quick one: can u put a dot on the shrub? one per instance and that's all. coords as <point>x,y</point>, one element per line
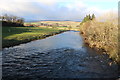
<point>102,33</point>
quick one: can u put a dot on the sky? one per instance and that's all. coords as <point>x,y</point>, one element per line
<point>57,9</point>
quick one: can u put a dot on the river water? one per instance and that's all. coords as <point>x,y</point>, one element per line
<point>60,56</point>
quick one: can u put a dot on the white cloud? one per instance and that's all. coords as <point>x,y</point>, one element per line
<point>50,9</point>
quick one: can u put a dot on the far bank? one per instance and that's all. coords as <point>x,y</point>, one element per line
<point>12,36</point>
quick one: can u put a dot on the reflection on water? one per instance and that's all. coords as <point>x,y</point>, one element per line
<point>70,39</point>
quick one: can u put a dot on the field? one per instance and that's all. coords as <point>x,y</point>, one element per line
<point>72,24</point>
<point>16,35</point>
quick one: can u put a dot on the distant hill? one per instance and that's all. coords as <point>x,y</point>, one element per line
<point>72,24</point>
<point>51,20</point>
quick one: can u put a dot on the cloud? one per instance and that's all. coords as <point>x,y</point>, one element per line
<point>53,9</point>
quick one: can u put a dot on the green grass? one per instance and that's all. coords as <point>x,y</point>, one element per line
<point>16,35</point>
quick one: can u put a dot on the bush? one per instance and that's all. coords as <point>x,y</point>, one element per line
<point>103,35</point>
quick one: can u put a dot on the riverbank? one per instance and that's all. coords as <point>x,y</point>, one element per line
<point>12,36</point>
<point>102,36</point>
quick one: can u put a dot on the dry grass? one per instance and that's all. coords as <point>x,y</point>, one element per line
<point>102,33</point>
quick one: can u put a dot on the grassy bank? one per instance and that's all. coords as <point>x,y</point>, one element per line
<point>12,36</point>
<point>102,36</point>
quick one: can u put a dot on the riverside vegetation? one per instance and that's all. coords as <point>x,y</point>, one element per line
<point>102,33</point>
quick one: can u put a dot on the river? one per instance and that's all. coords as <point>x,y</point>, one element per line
<point>60,56</point>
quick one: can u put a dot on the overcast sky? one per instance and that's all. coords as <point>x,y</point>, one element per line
<point>57,9</point>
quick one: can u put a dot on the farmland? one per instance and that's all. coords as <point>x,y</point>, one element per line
<point>56,24</point>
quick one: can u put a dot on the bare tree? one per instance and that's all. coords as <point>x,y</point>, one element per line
<point>10,18</point>
<point>20,20</point>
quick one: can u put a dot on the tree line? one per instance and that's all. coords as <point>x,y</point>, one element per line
<point>11,18</point>
<point>88,18</point>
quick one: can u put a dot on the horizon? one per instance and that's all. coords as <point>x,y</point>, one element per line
<point>52,20</point>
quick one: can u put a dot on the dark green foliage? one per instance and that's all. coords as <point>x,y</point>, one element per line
<point>9,24</point>
<point>88,18</point>
<point>93,16</point>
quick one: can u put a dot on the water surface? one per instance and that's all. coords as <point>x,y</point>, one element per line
<point>59,56</point>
